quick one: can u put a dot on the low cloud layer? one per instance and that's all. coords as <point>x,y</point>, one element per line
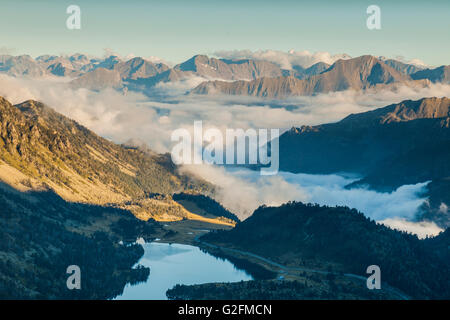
<point>135,116</point>
<point>422,228</point>
<point>243,190</point>
<point>415,61</point>
<point>122,117</point>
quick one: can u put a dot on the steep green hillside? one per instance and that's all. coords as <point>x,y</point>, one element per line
<point>43,150</point>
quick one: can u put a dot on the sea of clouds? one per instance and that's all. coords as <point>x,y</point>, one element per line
<point>243,190</point>
<point>136,116</point>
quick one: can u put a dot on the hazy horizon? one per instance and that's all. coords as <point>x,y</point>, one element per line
<point>176,30</point>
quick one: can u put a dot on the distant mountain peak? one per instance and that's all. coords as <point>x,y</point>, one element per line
<point>139,74</point>
<point>425,108</point>
<point>407,110</point>
<point>192,63</point>
<point>357,73</point>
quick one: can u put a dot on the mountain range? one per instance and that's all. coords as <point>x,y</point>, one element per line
<point>140,68</point>
<point>359,73</point>
<point>227,76</point>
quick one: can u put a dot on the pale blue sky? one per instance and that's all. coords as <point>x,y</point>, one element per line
<point>176,30</point>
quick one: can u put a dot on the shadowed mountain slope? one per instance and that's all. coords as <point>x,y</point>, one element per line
<point>41,235</point>
<point>404,143</point>
<point>439,74</point>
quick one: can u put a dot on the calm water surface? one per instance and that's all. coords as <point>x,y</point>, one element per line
<point>172,264</point>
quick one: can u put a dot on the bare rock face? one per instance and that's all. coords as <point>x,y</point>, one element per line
<point>137,68</point>
<point>98,79</point>
<point>21,65</point>
<point>440,74</point>
<point>427,108</point>
<point>404,68</point>
<point>209,68</point>
<point>229,69</point>
<point>408,110</point>
<point>317,68</point>
<point>60,69</point>
<point>359,73</point>
<point>228,76</point>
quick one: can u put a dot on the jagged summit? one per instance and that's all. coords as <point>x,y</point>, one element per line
<point>425,108</point>
<point>358,73</point>
<point>251,77</point>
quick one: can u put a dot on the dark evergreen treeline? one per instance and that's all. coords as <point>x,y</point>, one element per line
<point>206,203</point>
<point>41,235</point>
<point>296,232</point>
<point>275,290</point>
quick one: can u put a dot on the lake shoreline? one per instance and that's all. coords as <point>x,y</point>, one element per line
<point>172,264</point>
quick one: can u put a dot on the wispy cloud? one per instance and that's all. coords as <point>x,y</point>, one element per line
<point>415,61</point>
<point>285,60</point>
<point>243,190</point>
<point>422,228</point>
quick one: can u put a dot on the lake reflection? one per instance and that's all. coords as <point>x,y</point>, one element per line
<point>172,264</point>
